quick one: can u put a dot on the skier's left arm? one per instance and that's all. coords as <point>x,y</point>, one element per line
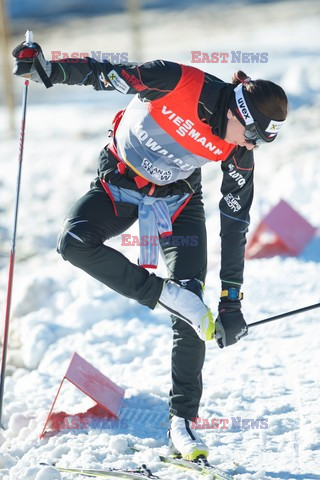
<point>237,195</point>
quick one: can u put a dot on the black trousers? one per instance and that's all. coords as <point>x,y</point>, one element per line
<point>91,222</point>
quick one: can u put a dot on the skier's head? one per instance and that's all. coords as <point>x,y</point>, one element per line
<point>256,112</point>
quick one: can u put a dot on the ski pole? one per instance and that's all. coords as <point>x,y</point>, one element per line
<point>13,241</point>
<point>287,314</point>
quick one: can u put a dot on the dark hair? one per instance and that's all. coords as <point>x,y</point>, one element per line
<point>269,98</point>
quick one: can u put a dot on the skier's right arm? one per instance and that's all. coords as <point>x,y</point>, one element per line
<point>151,80</point>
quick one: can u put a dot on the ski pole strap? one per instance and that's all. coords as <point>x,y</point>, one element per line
<point>42,74</point>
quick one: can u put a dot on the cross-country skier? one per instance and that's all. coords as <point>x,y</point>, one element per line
<point>179,119</point>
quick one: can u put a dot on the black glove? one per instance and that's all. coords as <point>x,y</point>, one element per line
<point>30,63</point>
<point>230,324</point>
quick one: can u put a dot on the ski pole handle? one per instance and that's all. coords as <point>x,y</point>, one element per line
<point>37,63</point>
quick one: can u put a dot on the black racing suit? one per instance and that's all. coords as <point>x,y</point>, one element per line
<point>92,220</point>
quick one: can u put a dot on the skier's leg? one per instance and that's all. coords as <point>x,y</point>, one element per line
<point>90,222</point>
<point>186,258</point>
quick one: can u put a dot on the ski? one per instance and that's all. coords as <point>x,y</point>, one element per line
<point>139,473</point>
<point>202,466</point>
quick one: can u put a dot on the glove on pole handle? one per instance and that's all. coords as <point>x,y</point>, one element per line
<point>282,315</point>
<point>42,74</point>
<point>13,243</point>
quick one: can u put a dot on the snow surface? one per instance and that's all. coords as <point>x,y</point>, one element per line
<point>273,374</point>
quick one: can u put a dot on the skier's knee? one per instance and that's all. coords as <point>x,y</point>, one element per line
<point>73,239</point>
<point>67,245</point>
